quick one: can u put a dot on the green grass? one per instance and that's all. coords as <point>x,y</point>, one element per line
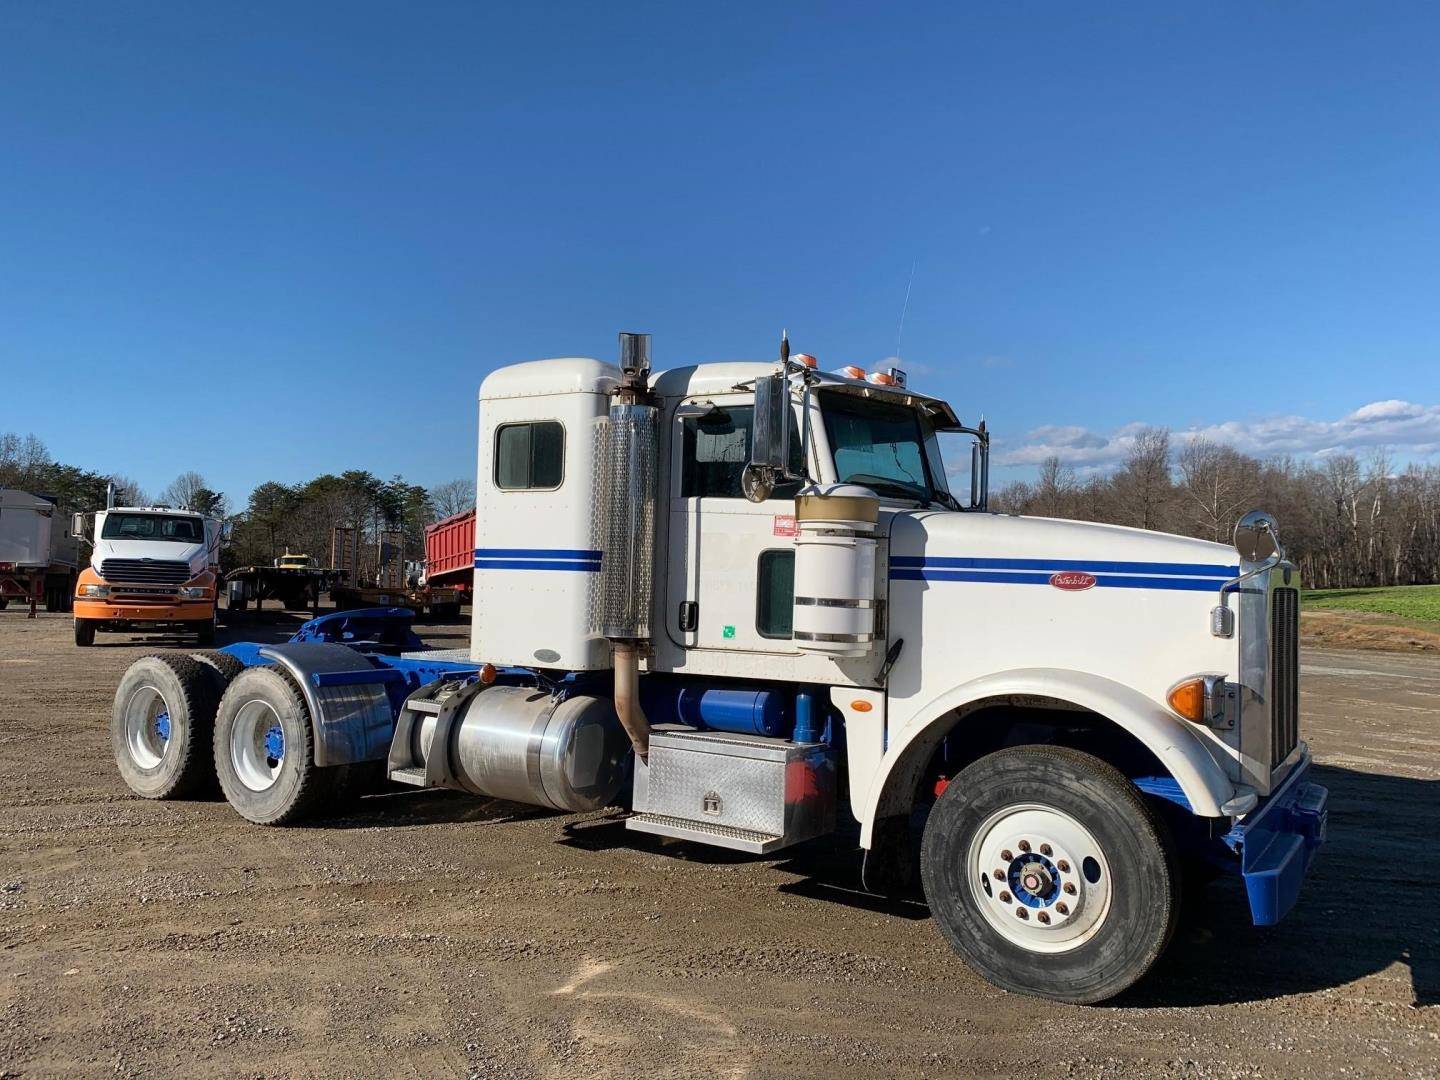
<point>1407,601</point>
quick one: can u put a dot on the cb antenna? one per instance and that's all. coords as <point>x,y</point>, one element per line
<point>784,346</point>
<point>900,333</point>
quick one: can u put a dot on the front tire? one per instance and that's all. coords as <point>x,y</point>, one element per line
<point>84,632</point>
<point>1048,873</point>
<point>265,750</point>
<point>205,632</point>
<point>160,727</point>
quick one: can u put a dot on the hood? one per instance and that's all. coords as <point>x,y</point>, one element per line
<point>161,550</point>
<point>997,543</point>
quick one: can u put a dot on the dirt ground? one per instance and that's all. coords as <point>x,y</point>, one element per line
<point>1337,629</point>
<point>440,935</point>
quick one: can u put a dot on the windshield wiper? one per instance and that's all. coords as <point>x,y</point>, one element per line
<point>945,499</point>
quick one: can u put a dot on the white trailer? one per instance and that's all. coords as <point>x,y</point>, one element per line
<point>741,601</point>
<point>38,555</point>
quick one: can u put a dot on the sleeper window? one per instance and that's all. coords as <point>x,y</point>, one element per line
<point>530,455</point>
<point>716,448</point>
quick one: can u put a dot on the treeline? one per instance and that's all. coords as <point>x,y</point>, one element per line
<point>1345,521</point>
<point>280,518</point>
<point>302,518</point>
<point>27,464</point>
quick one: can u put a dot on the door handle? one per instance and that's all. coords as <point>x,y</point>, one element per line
<point>689,617</point>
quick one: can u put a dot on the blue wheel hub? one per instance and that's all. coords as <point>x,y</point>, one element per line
<point>1033,880</point>
<point>162,725</point>
<point>274,745</point>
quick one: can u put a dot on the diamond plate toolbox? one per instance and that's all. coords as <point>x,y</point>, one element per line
<point>771,787</point>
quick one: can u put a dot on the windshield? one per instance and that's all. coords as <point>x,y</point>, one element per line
<point>879,444</point>
<point>181,530</point>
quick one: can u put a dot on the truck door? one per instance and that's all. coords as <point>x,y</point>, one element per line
<point>730,583</point>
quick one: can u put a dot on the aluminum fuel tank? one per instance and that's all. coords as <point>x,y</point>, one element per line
<point>521,744</point>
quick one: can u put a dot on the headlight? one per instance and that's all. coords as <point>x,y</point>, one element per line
<point>96,591</point>
<point>194,592</point>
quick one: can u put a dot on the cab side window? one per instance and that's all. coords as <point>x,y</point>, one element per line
<point>715,449</point>
<point>530,455</point>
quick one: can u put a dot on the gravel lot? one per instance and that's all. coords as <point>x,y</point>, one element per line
<point>435,934</point>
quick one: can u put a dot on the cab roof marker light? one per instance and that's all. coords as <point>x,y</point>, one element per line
<point>880,378</point>
<point>805,360</point>
<point>850,371</point>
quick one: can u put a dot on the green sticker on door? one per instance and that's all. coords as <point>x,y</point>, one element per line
<point>728,632</point>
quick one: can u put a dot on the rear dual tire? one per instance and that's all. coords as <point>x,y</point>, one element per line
<point>1049,874</point>
<point>265,751</point>
<point>160,726</point>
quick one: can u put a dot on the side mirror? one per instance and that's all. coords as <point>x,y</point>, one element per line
<point>1256,538</point>
<point>227,530</point>
<point>77,526</point>
<point>770,441</point>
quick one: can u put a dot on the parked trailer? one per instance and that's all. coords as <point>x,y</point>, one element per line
<point>294,580</point>
<point>388,582</point>
<point>740,601</point>
<point>450,553</point>
<point>39,558</point>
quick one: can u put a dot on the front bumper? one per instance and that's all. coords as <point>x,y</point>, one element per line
<point>1277,840</point>
<point>120,611</point>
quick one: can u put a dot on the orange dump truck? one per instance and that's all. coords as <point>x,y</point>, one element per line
<point>153,569</point>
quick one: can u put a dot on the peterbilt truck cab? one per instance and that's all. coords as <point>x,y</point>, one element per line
<point>742,602</point>
<point>152,569</point>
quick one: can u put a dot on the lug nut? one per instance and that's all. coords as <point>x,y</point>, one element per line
<point>1004,897</point>
<point>1024,845</point>
<point>1044,918</point>
<point>1006,855</point>
<point>1022,913</point>
<point>998,875</point>
<point>1063,908</point>
<point>1045,850</point>
<point>1070,887</point>
<point>1062,866</point>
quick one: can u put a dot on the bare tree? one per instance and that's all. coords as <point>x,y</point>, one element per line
<point>453,497</point>
<point>1143,482</point>
<point>1216,482</point>
<point>128,491</point>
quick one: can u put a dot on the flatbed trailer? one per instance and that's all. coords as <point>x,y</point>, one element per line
<point>297,588</point>
<point>439,603</point>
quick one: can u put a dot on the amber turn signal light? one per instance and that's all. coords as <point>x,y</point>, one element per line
<point>1188,699</point>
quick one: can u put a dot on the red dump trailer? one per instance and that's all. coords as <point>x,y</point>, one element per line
<point>450,553</point>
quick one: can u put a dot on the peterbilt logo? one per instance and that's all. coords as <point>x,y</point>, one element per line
<point>1073,580</point>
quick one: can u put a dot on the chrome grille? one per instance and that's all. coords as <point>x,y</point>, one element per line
<point>1284,673</point>
<point>145,571</point>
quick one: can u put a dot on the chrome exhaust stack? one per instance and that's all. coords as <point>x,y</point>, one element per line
<point>630,436</point>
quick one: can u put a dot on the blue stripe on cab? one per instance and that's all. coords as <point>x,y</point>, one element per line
<point>580,560</point>
<point>1055,565</point>
<point>1102,581</point>
<point>536,553</point>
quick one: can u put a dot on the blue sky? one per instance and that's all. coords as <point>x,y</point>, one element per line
<point>268,240</point>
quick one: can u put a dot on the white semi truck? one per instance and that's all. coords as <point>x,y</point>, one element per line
<point>152,569</point>
<point>741,601</point>
<point>38,555</point>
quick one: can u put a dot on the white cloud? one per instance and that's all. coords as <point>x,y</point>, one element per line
<point>1404,426</point>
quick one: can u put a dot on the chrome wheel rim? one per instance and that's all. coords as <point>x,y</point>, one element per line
<point>257,745</point>
<point>147,727</point>
<point>1040,878</point>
